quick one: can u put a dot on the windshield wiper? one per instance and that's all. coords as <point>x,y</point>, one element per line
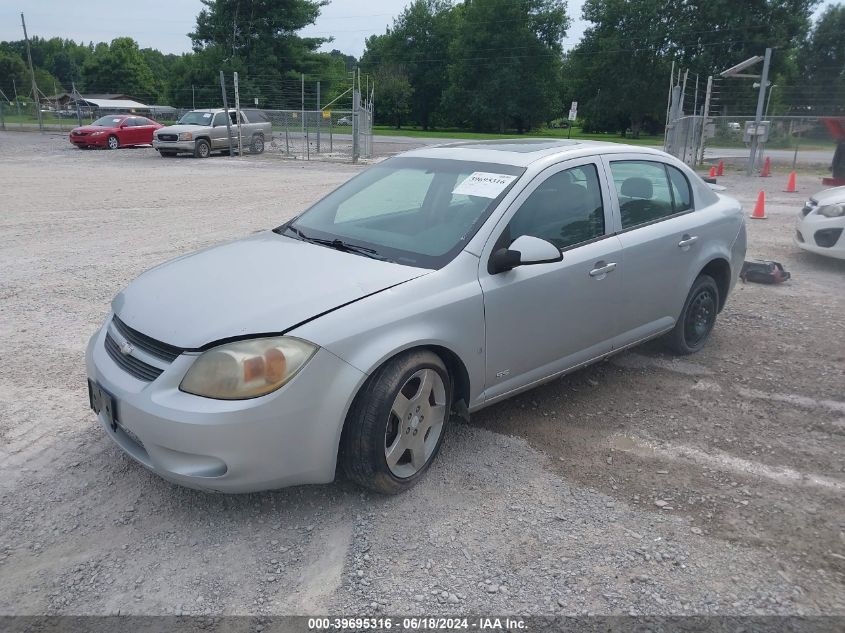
<point>339,245</point>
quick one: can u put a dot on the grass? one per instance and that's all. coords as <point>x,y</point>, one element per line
<point>577,134</point>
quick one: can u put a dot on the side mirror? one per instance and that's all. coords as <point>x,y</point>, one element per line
<point>526,250</point>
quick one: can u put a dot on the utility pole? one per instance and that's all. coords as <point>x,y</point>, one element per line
<point>193,98</point>
<point>761,99</point>
<point>32,73</point>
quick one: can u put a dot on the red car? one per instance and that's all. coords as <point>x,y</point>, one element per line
<point>115,130</point>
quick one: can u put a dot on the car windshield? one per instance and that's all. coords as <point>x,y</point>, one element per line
<point>414,211</point>
<point>108,121</point>
<point>196,118</point>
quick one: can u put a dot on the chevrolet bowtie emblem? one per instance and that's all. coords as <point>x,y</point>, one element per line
<point>127,348</point>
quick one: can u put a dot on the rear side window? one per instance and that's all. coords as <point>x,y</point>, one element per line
<point>649,191</point>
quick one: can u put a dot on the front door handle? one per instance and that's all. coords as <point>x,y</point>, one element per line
<point>602,269</point>
<point>687,240</point>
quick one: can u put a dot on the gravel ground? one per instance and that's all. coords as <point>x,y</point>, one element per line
<point>644,485</point>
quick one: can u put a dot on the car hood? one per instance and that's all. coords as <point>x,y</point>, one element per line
<point>835,195</point>
<point>177,129</point>
<point>263,284</point>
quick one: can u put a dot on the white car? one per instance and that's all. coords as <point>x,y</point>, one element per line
<point>822,224</point>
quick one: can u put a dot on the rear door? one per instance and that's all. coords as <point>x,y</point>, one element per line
<point>661,234</point>
<point>545,318</point>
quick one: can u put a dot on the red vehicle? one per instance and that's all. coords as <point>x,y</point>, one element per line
<point>115,130</point>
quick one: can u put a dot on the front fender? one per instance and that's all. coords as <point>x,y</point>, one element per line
<point>444,309</point>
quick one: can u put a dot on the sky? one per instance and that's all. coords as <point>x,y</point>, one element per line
<point>164,24</point>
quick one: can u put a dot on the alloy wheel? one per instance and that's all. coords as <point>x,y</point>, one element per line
<point>415,423</point>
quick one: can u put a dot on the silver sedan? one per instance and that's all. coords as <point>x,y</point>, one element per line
<point>429,286</point>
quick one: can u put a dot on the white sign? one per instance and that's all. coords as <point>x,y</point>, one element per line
<point>573,111</point>
<point>484,184</point>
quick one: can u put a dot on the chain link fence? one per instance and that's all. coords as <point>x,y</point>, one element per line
<point>344,134</point>
<point>788,141</point>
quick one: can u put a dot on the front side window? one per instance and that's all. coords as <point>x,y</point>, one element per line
<point>566,209</point>
<point>219,119</point>
<point>414,211</point>
<point>649,191</point>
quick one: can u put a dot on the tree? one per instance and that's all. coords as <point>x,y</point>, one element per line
<point>393,94</point>
<point>120,67</point>
<point>13,73</point>
<point>628,50</point>
<point>505,63</point>
<point>418,42</point>
<point>820,62</point>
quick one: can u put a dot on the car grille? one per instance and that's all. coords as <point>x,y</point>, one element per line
<point>145,343</point>
<point>168,137</point>
<point>131,365</point>
<point>80,133</point>
<point>150,346</point>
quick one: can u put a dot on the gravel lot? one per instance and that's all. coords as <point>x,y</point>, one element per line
<point>643,485</point>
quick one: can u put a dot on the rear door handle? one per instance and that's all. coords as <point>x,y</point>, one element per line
<point>687,241</point>
<point>602,269</point>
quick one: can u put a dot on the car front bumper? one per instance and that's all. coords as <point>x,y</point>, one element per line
<point>285,438</point>
<point>89,140</point>
<point>174,146</point>
<point>819,234</point>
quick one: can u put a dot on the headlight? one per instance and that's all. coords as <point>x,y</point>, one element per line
<point>247,369</point>
<point>832,210</point>
<point>186,136</point>
<point>97,133</point>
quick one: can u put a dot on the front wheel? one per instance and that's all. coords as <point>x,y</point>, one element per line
<point>697,319</point>
<point>397,423</point>
<point>202,149</point>
<point>113,142</point>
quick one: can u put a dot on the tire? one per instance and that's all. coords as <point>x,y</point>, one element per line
<point>257,145</point>
<point>374,451</point>
<point>697,319</point>
<point>113,142</point>
<point>202,149</point>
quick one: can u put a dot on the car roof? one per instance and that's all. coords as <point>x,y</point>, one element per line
<point>523,152</point>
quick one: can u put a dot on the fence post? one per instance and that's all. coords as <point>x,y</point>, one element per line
<point>331,140</point>
<point>704,114</point>
<point>307,136</point>
<point>226,109</point>
<point>319,117</point>
<point>2,118</point>
<point>356,105</point>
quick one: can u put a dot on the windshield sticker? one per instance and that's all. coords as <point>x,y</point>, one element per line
<point>206,115</point>
<point>484,185</point>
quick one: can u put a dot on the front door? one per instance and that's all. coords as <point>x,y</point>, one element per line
<point>545,318</point>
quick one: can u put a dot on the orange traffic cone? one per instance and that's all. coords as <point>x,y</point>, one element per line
<point>767,168</point>
<point>720,170</point>
<point>790,185</point>
<point>760,208</point>
<point>712,172</point>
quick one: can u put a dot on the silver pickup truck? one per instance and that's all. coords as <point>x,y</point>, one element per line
<point>201,132</point>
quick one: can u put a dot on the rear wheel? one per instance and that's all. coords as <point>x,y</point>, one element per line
<point>257,146</point>
<point>202,149</point>
<point>397,423</point>
<point>698,317</point>
<point>113,142</point>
